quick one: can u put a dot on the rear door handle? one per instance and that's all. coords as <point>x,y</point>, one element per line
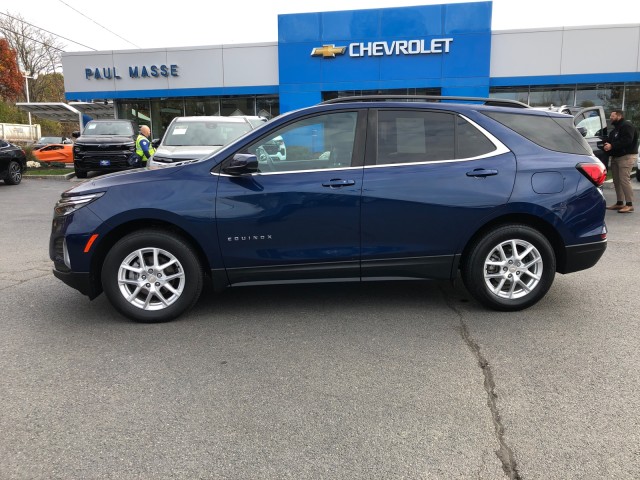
<point>338,183</point>
<point>481,172</point>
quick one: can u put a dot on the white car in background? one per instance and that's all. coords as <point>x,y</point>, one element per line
<point>188,138</point>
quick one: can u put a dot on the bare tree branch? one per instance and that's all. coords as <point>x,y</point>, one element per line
<point>38,52</point>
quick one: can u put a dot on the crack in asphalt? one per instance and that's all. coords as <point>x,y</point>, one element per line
<point>504,453</point>
<point>34,273</point>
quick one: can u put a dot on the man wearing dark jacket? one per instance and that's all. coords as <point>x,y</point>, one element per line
<point>622,145</point>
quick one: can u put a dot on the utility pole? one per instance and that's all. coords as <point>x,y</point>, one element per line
<point>26,83</point>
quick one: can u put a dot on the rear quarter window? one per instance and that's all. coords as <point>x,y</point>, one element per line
<point>553,133</point>
<point>470,142</point>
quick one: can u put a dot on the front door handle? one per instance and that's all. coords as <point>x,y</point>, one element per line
<point>338,183</point>
<point>481,172</point>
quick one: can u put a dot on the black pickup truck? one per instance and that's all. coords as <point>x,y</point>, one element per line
<point>104,145</point>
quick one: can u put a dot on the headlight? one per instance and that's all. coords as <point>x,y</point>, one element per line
<point>67,205</point>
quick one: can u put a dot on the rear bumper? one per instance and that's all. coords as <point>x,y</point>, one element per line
<point>581,257</point>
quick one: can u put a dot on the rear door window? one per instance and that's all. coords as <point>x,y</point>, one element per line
<point>406,136</point>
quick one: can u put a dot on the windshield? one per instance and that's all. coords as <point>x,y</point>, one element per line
<point>50,140</point>
<point>108,128</point>
<point>204,133</point>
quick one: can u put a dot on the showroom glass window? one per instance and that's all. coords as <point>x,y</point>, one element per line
<point>632,104</point>
<point>268,106</point>
<point>197,107</point>
<point>551,95</point>
<point>520,94</point>
<point>162,112</point>
<point>137,110</point>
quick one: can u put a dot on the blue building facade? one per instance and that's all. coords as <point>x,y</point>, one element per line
<point>446,49</point>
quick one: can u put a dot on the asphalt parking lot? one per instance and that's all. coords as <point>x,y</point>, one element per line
<point>345,381</point>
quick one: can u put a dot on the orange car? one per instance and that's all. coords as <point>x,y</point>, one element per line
<point>56,152</point>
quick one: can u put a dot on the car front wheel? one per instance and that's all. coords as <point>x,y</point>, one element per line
<point>509,268</point>
<point>152,276</point>
<point>15,174</point>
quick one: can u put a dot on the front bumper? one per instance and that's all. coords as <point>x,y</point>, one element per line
<point>81,281</point>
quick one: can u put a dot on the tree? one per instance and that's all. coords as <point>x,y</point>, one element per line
<point>38,53</point>
<point>11,84</point>
<point>52,85</point>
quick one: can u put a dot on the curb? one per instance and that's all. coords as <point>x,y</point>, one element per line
<point>67,176</point>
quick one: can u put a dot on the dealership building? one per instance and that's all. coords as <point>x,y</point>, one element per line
<point>446,49</point>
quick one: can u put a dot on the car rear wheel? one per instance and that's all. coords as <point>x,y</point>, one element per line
<point>81,173</point>
<point>509,268</point>
<point>152,276</point>
<point>15,174</point>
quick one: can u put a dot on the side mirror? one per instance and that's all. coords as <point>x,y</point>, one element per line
<point>155,142</point>
<point>242,163</point>
<point>75,134</point>
<point>583,131</point>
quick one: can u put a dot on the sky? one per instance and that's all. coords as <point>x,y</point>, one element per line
<point>123,25</point>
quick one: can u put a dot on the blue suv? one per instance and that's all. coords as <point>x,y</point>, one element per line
<point>372,188</point>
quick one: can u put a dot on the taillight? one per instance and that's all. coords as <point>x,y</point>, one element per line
<point>596,172</point>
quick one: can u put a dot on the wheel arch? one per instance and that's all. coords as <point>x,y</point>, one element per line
<point>544,227</point>
<point>124,229</point>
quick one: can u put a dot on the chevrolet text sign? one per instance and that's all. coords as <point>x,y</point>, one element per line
<point>400,47</point>
<point>378,49</point>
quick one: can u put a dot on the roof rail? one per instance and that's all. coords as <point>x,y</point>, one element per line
<point>494,102</point>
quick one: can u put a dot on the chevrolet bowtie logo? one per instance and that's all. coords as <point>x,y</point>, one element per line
<point>328,51</point>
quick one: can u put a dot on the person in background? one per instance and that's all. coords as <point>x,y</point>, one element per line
<point>144,150</point>
<point>622,145</point>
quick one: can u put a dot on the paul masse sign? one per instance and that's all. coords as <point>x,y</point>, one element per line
<point>136,71</point>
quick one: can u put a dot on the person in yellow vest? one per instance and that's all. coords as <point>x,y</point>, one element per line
<point>144,149</point>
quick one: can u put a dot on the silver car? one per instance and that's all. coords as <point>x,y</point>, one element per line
<point>188,138</point>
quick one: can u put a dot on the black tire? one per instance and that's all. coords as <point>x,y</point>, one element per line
<point>146,288</point>
<point>81,173</point>
<point>14,173</point>
<point>506,285</point>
